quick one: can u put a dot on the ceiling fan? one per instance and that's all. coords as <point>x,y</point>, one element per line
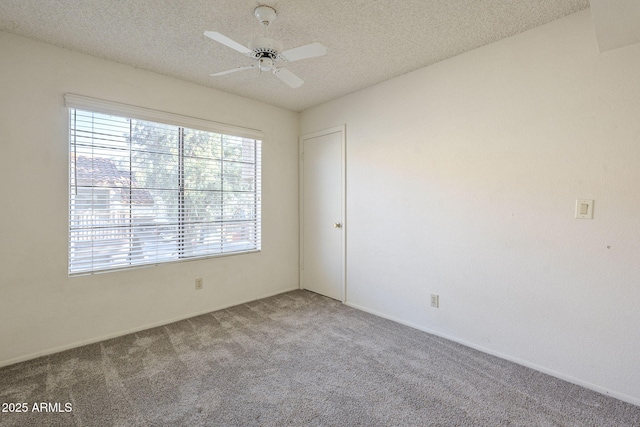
<point>267,52</point>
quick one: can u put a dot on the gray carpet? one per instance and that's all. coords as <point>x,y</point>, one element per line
<point>296,359</point>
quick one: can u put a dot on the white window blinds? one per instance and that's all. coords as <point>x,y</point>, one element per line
<point>145,192</point>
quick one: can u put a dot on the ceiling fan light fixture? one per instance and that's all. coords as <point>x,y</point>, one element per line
<point>266,64</point>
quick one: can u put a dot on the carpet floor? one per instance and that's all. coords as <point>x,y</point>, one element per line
<point>295,359</point>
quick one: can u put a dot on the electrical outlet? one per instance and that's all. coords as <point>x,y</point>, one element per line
<point>435,300</point>
<point>199,283</point>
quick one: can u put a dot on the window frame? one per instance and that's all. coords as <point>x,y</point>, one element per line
<point>78,102</point>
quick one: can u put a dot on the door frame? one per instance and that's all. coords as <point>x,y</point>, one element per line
<point>302,138</point>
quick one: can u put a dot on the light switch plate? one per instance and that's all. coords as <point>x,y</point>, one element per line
<point>435,300</point>
<point>584,208</point>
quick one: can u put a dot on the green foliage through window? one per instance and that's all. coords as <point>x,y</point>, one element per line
<point>143,192</point>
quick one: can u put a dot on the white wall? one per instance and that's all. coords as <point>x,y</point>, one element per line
<point>461,181</point>
<point>41,308</point>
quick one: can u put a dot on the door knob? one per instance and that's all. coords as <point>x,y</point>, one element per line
<point>337,225</point>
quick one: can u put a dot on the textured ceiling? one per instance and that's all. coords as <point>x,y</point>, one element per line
<point>368,41</point>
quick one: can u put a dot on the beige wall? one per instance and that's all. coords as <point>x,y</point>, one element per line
<point>41,308</point>
<point>462,180</point>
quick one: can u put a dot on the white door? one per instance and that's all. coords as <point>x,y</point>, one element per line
<point>322,206</point>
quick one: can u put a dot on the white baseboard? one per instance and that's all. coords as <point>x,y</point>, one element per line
<point>130,331</point>
<point>568,378</point>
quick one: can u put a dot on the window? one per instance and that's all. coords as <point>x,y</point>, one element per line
<point>149,191</point>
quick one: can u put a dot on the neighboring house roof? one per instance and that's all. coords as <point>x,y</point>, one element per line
<point>140,196</point>
<point>102,172</point>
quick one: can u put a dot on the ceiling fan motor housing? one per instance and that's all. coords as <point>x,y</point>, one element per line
<point>265,47</point>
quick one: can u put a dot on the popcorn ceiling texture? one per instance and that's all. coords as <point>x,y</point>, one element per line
<point>368,41</point>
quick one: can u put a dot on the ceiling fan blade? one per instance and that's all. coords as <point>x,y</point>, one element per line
<point>220,38</point>
<point>304,52</point>
<point>222,73</point>
<point>288,77</point>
